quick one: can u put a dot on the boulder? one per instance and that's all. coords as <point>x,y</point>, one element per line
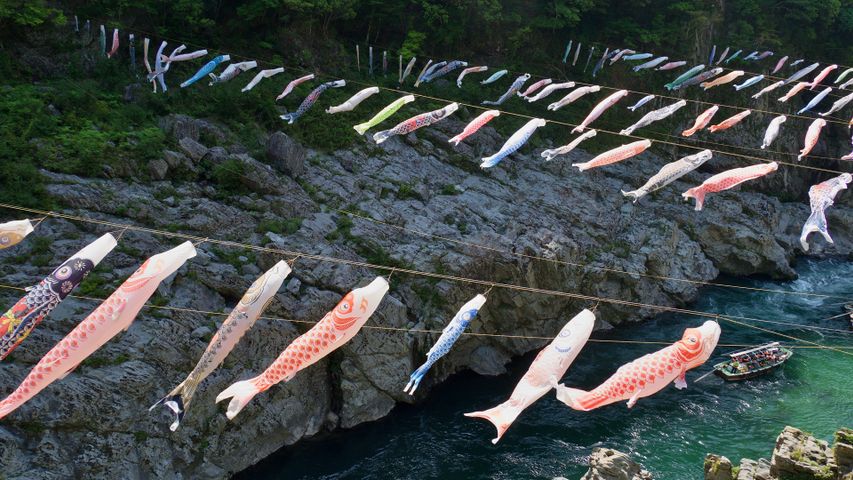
<point>257,176</point>
<point>192,148</point>
<point>158,168</point>
<point>799,455</point>
<point>286,155</point>
<point>718,468</point>
<point>609,464</point>
<point>843,452</point>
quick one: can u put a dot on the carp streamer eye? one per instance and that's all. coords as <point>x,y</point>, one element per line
<point>63,273</point>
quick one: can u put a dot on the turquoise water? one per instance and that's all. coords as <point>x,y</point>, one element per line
<point>669,433</point>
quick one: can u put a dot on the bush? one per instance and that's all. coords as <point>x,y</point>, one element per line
<point>229,176</point>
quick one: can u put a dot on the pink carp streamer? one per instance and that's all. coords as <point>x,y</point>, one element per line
<point>114,47</point>
<point>114,315</point>
<point>600,108</point>
<point>701,122</point>
<point>812,135</point>
<point>466,72</point>
<point>821,76</point>
<point>726,180</point>
<point>821,197</point>
<point>650,373</point>
<point>793,91</point>
<point>293,84</point>
<point>616,155</point>
<point>547,368</point>
<point>334,330</point>
<point>535,86</point>
<point>729,122</point>
<point>474,125</point>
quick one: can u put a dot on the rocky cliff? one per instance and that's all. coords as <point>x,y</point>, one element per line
<point>796,456</point>
<point>95,423</point>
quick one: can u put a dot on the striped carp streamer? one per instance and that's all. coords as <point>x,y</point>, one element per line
<point>650,373</point>
<point>260,76</point>
<point>702,121</point>
<point>474,125</point>
<point>699,79</point>
<point>467,71</point>
<point>512,90</point>
<point>445,70</point>
<point>408,70</point>
<point>750,82</point>
<point>726,180</point>
<point>494,77</point>
<point>416,122</point>
<point>115,45</point>
<point>654,116</point>
<point>239,321</point>
<point>335,329</point>
<point>596,112</point>
<point>547,368</point>
<point>311,99</point>
<point>448,337</point>
<point>727,78</point>
<point>650,64</point>
<point>206,69</point>
<point>231,71</point>
<point>812,135</point>
<point>821,197</point>
<point>535,86</point>
<point>821,76</point>
<point>14,232</point>
<point>768,88</point>
<point>671,65</point>
<point>670,173</point>
<point>814,101</point>
<point>353,101</point>
<point>773,130</point>
<point>516,141</point>
<point>293,84</point>
<point>548,90</point>
<point>386,112</point>
<point>17,323</point>
<point>684,77</point>
<point>793,91</point>
<point>729,122</point>
<point>550,154</point>
<point>641,102</point>
<point>111,317</point>
<point>838,105</point>
<point>801,73</point>
<point>615,155</point>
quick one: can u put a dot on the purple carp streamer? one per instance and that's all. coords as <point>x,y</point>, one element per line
<point>353,101</point>
<point>310,99</point>
<point>416,122</point>
<point>239,321</point>
<point>513,89</point>
<point>821,197</point>
<point>20,320</point>
<point>572,96</point>
<point>641,102</point>
<point>550,154</point>
<point>14,232</point>
<point>671,65</point>
<point>516,141</point>
<point>448,337</point>
<point>670,173</point>
<point>467,71</point>
<point>654,116</point>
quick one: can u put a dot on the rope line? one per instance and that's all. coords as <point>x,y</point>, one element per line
<point>407,271</point>
<point>438,332</point>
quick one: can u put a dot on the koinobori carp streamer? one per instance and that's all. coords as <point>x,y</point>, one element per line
<point>547,368</point>
<point>335,329</point>
<point>14,232</point>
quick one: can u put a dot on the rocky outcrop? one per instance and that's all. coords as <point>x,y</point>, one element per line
<point>439,213</point>
<point>796,456</point>
<point>609,464</point>
<point>286,155</point>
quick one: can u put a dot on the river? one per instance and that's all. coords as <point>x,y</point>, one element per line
<point>668,433</point>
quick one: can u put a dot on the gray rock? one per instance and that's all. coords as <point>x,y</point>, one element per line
<point>257,176</point>
<point>286,155</point>
<point>158,169</point>
<point>609,464</point>
<point>800,455</point>
<point>718,468</point>
<point>192,148</point>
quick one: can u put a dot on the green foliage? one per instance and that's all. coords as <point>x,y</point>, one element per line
<point>27,13</point>
<point>287,226</point>
<point>229,176</point>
